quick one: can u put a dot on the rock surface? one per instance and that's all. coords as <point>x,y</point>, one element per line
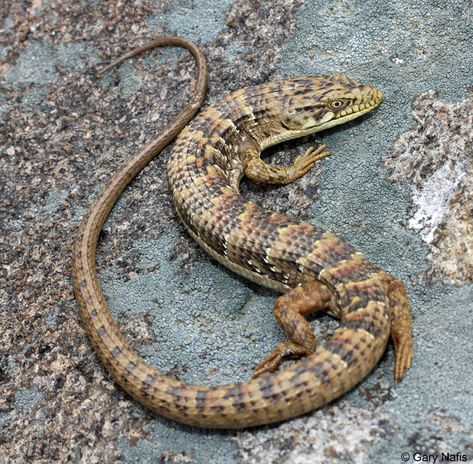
<point>436,158</point>
<point>398,187</point>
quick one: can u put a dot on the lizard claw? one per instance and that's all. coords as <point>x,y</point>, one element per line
<point>307,160</point>
<point>286,350</point>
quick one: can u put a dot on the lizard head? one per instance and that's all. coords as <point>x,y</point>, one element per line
<point>313,104</point>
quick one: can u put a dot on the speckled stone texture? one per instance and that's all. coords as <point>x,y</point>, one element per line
<point>63,132</point>
<point>339,434</point>
<point>437,159</point>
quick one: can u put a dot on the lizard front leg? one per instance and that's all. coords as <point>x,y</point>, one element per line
<point>290,311</point>
<point>259,171</point>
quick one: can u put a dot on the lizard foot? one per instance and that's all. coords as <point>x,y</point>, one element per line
<point>401,326</point>
<point>305,162</point>
<point>404,354</point>
<point>284,351</point>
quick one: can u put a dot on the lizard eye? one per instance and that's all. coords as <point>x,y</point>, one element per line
<point>337,104</point>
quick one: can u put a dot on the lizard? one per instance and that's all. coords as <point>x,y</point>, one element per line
<point>314,269</point>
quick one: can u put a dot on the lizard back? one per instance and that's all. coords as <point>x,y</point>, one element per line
<point>315,269</point>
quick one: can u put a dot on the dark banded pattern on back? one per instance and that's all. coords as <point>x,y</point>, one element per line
<point>208,159</point>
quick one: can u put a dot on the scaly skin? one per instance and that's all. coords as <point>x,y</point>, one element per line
<point>314,268</point>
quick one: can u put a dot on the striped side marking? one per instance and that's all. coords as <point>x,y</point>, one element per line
<point>326,250</point>
<point>253,236</point>
<point>355,296</point>
<point>294,241</point>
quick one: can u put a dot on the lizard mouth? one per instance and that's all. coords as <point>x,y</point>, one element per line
<point>362,108</point>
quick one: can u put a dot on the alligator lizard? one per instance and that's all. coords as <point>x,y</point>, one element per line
<point>315,269</point>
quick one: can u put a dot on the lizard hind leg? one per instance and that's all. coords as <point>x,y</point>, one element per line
<point>401,327</point>
<point>289,311</point>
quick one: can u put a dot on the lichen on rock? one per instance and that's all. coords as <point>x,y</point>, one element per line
<point>436,157</point>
